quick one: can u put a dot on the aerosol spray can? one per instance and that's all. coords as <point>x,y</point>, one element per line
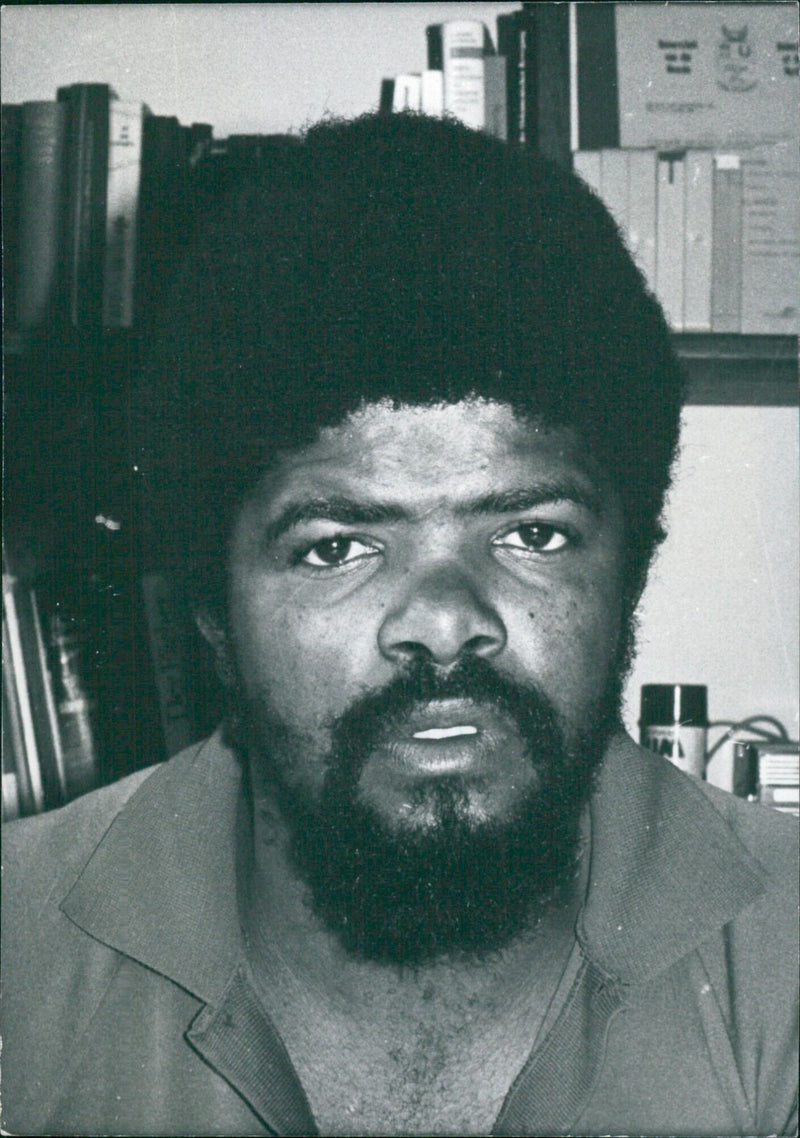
<point>673,723</point>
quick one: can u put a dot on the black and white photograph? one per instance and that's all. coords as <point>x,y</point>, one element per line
<point>401,569</point>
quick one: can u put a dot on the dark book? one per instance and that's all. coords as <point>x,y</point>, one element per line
<point>88,122</point>
<point>535,42</point>
<point>11,148</point>
<point>386,102</point>
<point>598,93</point>
<point>164,208</point>
<point>40,216</point>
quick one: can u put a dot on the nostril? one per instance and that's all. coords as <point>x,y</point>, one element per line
<point>482,645</point>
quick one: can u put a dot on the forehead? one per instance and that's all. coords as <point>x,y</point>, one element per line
<point>425,455</point>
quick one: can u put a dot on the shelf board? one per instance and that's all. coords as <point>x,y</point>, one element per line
<point>735,369</point>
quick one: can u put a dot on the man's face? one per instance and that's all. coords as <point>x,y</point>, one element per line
<point>425,605</point>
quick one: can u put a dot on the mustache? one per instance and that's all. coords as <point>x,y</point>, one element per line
<point>372,716</point>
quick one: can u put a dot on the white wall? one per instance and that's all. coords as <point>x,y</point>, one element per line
<point>721,607</point>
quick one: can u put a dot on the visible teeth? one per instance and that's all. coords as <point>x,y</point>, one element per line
<point>445,732</point>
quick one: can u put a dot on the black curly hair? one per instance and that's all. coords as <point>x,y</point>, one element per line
<point>407,258</point>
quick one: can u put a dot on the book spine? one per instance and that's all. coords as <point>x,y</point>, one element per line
<point>28,770</point>
<point>43,126</point>
<point>598,95</point>
<point>463,48</point>
<point>11,150</point>
<point>697,242</point>
<point>516,42</point>
<point>433,38</point>
<point>407,94</point>
<point>494,72</point>
<point>669,238</point>
<point>615,186</point>
<point>75,706</point>
<point>167,639</point>
<point>642,212</point>
<point>432,93</point>
<point>122,206</point>
<point>726,244</point>
<point>87,175</point>
<point>547,105</point>
<point>586,164</point>
<point>771,241</point>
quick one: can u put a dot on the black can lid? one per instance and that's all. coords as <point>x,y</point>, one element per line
<point>675,703</point>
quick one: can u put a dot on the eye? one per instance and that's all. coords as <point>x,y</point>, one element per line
<point>534,537</point>
<point>333,552</point>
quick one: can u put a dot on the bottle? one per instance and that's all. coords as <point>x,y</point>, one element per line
<point>673,722</point>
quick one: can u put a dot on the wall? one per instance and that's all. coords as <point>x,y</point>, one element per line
<point>721,607</point>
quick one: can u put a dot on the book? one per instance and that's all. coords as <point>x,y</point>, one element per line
<point>457,48</point>
<point>407,95</point>
<point>76,704</point>
<point>41,202</point>
<point>21,715</point>
<point>670,220</point>
<point>386,97</point>
<point>586,164</point>
<point>516,43</point>
<point>11,150</point>
<point>122,207</point>
<point>163,207</point>
<point>642,212</point>
<point>615,185</point>
<point>88,124</point>
<point>597,97</point>
<point>726,244</point>
<point>432,93</point>
<point>706,75</point>
<point>167,637</point>
<point>697,242</point>
<point>494,75</point>
<point>771,240</point>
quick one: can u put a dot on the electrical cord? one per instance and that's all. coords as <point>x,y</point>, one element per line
<point>778,735</point>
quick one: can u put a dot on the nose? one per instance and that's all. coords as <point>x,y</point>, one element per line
<point>441,617</point>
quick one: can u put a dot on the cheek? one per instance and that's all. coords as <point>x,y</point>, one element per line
<point>306,664</point>
<point>570,643</point>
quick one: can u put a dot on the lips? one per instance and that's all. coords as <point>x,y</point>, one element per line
<point>449,736</point>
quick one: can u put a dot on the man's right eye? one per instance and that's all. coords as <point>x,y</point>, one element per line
<point>333,552</point>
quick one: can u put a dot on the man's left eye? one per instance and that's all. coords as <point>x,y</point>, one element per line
<point>534,537</point>
<point>332,552</point>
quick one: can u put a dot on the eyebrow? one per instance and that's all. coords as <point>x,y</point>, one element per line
<point>353,512</point>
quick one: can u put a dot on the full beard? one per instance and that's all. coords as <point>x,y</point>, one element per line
<point>462,886</point>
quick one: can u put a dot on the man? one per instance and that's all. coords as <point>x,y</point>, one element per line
<point>412,414</point>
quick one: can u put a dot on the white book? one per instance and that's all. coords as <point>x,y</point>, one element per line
<point>496,102</point>
<point>642,212</point>
<point>771,240</point>
<point>122,206</point>
<point>586,164</point>
<point>697,242</point>
<point>432,101</point>
<point>407,93</point>
<point>726,244</point>
<point>670,218</point>
<point>614,185</point>
<point>463,47</point>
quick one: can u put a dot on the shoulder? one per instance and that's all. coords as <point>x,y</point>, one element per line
<point>44,850</point>
<point>771,837</point>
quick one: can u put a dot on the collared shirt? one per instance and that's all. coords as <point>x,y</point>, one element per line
<point>128,1010</point>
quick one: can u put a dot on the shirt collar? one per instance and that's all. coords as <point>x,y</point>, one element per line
<point>666,870</point>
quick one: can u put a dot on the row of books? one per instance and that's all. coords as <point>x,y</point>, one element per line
<point>93,188</point>
<point>716,234</point>
<point>93,679</point>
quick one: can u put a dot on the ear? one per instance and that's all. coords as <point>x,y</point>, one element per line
<point>215,633</point>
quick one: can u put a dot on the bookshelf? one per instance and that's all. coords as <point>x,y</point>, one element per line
<point>732,369</point>
<point>66,391</point>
